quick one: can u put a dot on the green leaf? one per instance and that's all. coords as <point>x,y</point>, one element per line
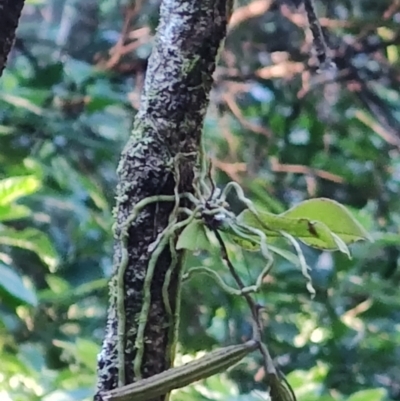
<point>86,352</point>
<point>239,236</point>
<point>94,191</point>
<point>13,212</point>
<point>16,187</point>
<point>319,223</point>
<point>312,233</point>
<point>335,216</point>
<point>32,240</point>
<point>99,103</point>
<point>12,284</point>
<point>377,394</point>
<point>83,351</point>
<point>22,103</point>
<point>194,237</point>
<point>6,130</point>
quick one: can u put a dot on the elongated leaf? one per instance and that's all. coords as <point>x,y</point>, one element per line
<point>194,237</point>
<point>12,284</point>
<point>13,212</point>
<point>32,240</point>
<point>16,187</point>
<point>312,233</point>
<point>335,216</point>
<point>22,103</point>
<point>377,394</point>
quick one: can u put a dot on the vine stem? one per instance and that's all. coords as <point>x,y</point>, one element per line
<point>278,391</point>
<point>254,308</point>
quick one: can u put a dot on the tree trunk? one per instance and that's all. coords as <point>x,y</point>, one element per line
<point>169,123</point>
<point>10,11</point>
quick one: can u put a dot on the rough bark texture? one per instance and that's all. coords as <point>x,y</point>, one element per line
<point>10,11</point>
<point>169,122</point>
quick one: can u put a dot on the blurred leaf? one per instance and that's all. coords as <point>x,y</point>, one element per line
<point>13,212</point>
<point>86,352</point>
<point>32,240</point>
<point>83,394</point>
<point>48,76</point>
<point>98,103</point>
<point>368,395</point>
<point>32,356</point>
<point>61,292</point>
<point>16,187</point>
<point>77,70</point>
<point>22,103</point>
<point>13,284</point>
<point>6,130</point>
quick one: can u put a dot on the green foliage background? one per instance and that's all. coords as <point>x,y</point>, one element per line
<point>285,134</point>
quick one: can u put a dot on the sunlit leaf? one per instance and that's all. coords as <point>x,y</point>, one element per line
<point>193,237</point>
<point>32,240</point>
<point>12,283</point>
<point>22,103</point>
<point>312,233</point>
<point>16,187</point>
<point>94,191</point>
<point>86,352</point>
<point>61,292</point>
<point>6,130</point>
<point>377,394</point>
<point>13,212</point>
<point>335,216</point>
<point>386,239</point>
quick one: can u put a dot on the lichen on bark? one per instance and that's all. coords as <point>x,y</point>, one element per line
<point>169,123</point>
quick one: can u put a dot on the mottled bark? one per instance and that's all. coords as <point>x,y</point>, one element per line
<point>10,11</point>
<point>169,122</point>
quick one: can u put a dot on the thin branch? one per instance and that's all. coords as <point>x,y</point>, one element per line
<point>301,169</point>
<point>278,391</point>
<point>254,9</point>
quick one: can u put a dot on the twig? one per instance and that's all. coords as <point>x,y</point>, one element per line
<point>278,391</point>
<point>319,39</point>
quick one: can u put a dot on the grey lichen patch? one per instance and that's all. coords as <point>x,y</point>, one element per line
<point>169,122</point>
